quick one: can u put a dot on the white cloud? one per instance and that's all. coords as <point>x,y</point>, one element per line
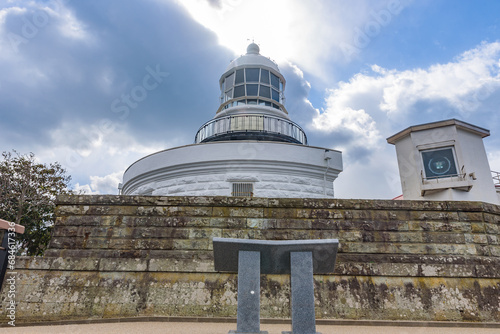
<point>83,189</point>
<point>463,83</point>
<point>386,99</point>
<point>494,160</point>
<point>96,156</point>
<point>376,177</point>
<point>314,34</point>
<point>107,184</point>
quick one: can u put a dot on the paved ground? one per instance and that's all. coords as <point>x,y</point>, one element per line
<point>223,328</point>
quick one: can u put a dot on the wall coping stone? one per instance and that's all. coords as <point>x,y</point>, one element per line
<point>314,203</point>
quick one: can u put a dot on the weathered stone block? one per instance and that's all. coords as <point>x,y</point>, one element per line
<point>434,215</point>
<point>227,222</point>
<point>380,215</point>
<point>74,264</point>
<point>441,238</point>
<point>151,210</point>
<point>349,236</point>
<point>181,265</point>
<point>470,216</point>
<point>393,269</point>
<point>494,250</point>
<point>492,239</point>
<point>447,270</point>
<point>35,263</point>
<point>95,243</point>
<point>67,242</point>
<point>324,224</point>
<point>492,218</point>
<point>196,211</point>
<point>477,227</point>
<point>123,264</point>
<point>288,223</point>
<point>243,234</point>
<point>480,239</point>
<point>204,233</point>
<point>264,223</point>
<point>492,228</point>
<point>192,244</point>
<point>451,227</point>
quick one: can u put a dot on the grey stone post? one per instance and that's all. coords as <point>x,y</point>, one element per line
<point>248,319</point>
<point>302,286</point>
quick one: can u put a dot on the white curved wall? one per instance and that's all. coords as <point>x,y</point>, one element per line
<point>209,169</point>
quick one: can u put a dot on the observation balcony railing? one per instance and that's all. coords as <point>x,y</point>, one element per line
<point>261,127</point>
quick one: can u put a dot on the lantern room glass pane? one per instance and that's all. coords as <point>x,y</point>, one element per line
<point>275,81</point>
<point>265,91</point>
<point>276,96</point>
<point>239,91</point>
<point>264,76</point>
<point>229,95</point>
<point>252,90</point>
<point>228,83</point>
<point>252,74</point>
<point>239,76</point>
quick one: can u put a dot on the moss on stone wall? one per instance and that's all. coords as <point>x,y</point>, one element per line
<point>122,256</point>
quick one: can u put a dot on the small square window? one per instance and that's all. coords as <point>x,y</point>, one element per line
<point>439,163</point>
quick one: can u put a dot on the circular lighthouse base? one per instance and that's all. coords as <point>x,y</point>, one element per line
<point>236,168</point>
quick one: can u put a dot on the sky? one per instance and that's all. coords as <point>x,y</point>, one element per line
<point>95,85</point>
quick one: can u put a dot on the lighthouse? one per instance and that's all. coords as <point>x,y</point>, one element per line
<point>249,148</point>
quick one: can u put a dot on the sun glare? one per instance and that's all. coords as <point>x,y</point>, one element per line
<point>237,22</point>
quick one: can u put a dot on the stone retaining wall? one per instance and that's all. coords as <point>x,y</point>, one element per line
<point>122,256</point>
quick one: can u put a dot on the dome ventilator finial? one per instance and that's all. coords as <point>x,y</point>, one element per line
<point>253,48</point>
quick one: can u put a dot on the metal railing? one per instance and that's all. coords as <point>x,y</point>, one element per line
<point>251,124</point>
<point>460,177</point>
<point>496,178</point>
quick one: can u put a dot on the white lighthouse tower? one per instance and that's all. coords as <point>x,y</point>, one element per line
<point>250,148</point>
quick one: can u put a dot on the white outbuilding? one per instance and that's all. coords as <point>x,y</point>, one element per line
<point>445,160</point>
<point>250,148</point>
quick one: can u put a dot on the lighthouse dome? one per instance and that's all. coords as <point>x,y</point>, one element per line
<point>252,57</point>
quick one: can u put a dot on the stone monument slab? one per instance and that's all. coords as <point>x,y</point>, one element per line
<point>275,254</point>
<point>300,258</point>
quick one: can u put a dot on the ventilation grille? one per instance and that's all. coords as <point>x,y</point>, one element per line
<point>242,189</point>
